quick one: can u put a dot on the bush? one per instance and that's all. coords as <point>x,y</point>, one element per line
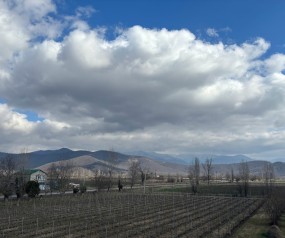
<point>274,232</point>
<point>7,191</point>
<point>170,180</point>
<point>83,188</point>
<point>32,188</point>
<point>75,190</point>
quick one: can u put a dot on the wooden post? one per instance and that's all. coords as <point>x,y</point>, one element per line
<point>37,226</point>
<point>144,183</point>
<point>22,225</point>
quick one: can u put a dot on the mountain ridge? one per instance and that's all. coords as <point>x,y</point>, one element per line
<point>153,162</point>
<point>187,159</point>
<point>44,156</point>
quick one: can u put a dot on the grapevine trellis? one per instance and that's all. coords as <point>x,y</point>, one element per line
<point>125,215</point>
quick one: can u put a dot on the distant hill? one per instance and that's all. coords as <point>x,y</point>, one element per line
<point>279,168</point>
<point>107,155</point>
<point>81,161</point>
<point>2,154</point>
<point>217,159</point>
<point>121,164</point>
<point>255,168</point>
<point>224,159</point>
<point>159,157</point>
<point>38,158</point>
<point>92,164</point>
<point>187,159</point>
<point>278,160</point>
<point>154,162</point>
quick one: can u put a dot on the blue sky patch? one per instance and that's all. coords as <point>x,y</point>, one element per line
<point>245,19</point>
<point>31,116</point>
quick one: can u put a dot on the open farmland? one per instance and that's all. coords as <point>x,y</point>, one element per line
<point>125,215</point>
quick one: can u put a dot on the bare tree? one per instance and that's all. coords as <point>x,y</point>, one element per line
<point>65,172</point>
<point>194,175</point>
<point>100,180</point>
<point>53,175</point>
<point>268,175</point>
<point>143,174</point>
<point>23,159</point>
<point>60,175</point>
<point>134,170</point>
<point>275,205</point>
<point>244,177</point>
<point>111,167</point>
<point>208,167</point>
<point>7,174</point>
<point>228,176</point>
<point>232,175</point>
<point>21,175</point>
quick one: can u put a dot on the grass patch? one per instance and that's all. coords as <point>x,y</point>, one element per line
<point>255,227</point>
<point>228,189</point>
<point>282,224</point>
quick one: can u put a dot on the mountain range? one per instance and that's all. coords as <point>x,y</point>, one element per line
<point>88,161</point>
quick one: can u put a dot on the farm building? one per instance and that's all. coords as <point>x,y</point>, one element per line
<point>37,175</point>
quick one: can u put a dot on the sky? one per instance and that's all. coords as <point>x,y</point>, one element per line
<point>176,77</point>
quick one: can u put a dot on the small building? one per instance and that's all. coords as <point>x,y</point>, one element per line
<point>37,175</point>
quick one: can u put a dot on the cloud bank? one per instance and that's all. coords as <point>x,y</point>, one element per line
<point>146,89</point>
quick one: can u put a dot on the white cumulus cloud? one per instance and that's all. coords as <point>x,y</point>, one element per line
<point>148,89</point>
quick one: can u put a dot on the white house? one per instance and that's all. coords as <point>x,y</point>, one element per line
<point>37,175</point>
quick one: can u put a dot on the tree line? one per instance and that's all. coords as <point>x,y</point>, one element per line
<point>13,177</point>
<point>198,171</point>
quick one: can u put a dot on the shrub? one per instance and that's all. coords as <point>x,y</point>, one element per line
<point>32,188</point>
<point>75,190</point>
<point>274,232</point>
<point>170,180</point>
<point>7,191</point>
<point>83,188</point>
